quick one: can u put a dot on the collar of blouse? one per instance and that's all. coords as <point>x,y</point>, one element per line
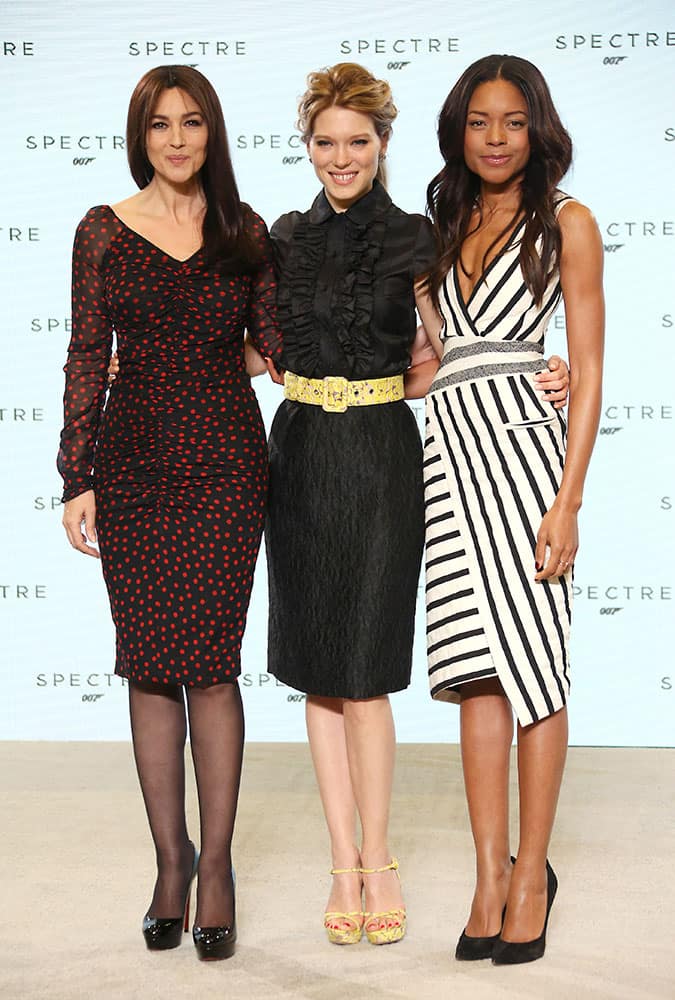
<point>362,211</point>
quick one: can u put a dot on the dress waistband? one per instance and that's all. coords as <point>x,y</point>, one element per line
<point>483,358</point>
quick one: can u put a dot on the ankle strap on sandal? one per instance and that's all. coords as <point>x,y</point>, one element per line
<point>345,871</point>
<point>391,867</point>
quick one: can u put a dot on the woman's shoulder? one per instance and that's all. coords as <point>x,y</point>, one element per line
<point>253,222</point>
<point>567,204</point>
<point>580,234</point>
<point>283,228</point>
<point>97,227</point>
<point>97,215</point>
<point>414,222</point>
<point>413,225</point>
<point>571,213</point>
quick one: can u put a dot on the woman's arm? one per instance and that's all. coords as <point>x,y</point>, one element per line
<point>432,321</point>
<point>253,359</point>
<point>86,380</point>
<point>426,348</point>
<point>581,265</point>
<point>261,318</point>
<point>423,366</point>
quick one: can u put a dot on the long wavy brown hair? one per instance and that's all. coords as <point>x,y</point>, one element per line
<point>454,192</point>
<point>226,232</point>
<point>348,85</point>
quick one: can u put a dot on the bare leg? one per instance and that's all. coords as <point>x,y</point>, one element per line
<point>158,729</point>
<point>486,737</point>
<point>217,742</point>
<point>371,748</point>
<point>326,731</point>
<point>542,749</point>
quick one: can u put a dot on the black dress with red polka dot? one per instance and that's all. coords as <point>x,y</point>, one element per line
<point>178,457</point>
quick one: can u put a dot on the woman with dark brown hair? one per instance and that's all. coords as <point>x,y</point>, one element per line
<point>345,524</point>
<point>504,477</point>
<point>171,478</point>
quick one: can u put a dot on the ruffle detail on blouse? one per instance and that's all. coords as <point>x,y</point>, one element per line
<point>354,305</point>
<point>295,293</point>
<point>352,308</point>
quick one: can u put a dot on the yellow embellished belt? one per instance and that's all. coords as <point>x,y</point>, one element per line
<point>335,393</point>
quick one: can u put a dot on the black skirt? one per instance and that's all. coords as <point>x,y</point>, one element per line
<point>344,536</point>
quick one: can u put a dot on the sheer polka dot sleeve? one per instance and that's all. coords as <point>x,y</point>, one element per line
<point>261,321</point>
<point>88,355</point>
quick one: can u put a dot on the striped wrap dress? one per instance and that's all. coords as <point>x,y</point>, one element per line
<point>493,463</point>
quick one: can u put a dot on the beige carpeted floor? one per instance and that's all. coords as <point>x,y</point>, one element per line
<point>77,870</point>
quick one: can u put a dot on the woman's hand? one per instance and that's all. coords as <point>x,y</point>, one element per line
<point>113,368</point>
<point>418,379</point>
<point>258,364</point>
<point>554,382</point>
<point>277,375</point>
<point>423,366</point>
<point>559,535</point>
<point>76,512</point>
<point>253,359</point>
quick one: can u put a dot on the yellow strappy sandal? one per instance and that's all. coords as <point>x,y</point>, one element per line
<point>352,932</point>
<point>394,921</point>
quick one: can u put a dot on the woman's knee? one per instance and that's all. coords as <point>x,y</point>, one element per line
<point>224,694</point>
<point>489,686</point>
<point>365,711</point>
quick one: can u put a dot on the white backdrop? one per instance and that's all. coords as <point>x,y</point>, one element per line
<point>66,73</point>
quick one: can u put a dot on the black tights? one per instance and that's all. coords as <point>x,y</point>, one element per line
<point>159,729</point>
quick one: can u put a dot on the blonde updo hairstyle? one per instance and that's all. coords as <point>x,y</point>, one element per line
<point>348,85</point>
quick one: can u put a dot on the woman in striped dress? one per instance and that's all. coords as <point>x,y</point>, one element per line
<point>502,489</point>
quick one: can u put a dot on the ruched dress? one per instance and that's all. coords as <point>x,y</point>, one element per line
<point>178,457</point>
<point>345,523</point>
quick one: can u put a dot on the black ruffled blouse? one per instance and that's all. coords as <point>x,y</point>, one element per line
<point>345,298</point>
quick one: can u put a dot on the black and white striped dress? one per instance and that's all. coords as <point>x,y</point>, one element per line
<point>493,463</point>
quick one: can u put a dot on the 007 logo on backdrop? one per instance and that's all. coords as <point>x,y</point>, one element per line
<point>81,150</point>
<point>637,416</point>
<point>610,599</point>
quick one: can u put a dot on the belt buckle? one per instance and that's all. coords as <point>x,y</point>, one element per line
<point>335,394</point>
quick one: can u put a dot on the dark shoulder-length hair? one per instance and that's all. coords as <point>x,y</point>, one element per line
<point>226,229</point>
<point>453,193</point>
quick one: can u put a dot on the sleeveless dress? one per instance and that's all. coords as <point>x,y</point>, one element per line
<point>178,459</point>
<point>345,524</point>
<point>493,464</point>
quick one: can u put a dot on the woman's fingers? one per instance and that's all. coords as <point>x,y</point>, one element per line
<point>113,368</point>
<point>90,526</point>
<point>79,542</point>
<point>556,563</point>
<point>540,553</point>
<point>554,382</point>
<point>557,543</point>
<point>78,512</point>
<point>275,374</point>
